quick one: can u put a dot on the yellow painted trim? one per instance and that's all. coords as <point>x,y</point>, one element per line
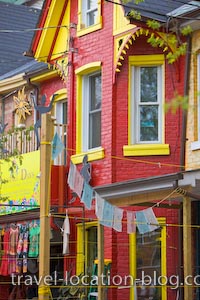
<point>88,68</point>
<point>146,150</point>
<point>81,30</point>
<point>44,76</point>
<point>92,155</point>
<point>145,60</point>
<point>89,29</point>
<point>133,258</point>
<point>47,35</point>
<point>120,22</point>
<point>139,60</point>
<point>83,70</point>
<point>61,94</point>
<point>80,257</point>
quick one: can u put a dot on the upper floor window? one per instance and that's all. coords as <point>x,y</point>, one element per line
<point>88,113</point>
<point>146,100</point>
<point>146,113</point>
<point>90,12</point>
<point>89,16</point>
<point>91,111</point>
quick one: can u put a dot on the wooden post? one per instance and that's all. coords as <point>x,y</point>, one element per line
<point>45,178</point>
<point>187,248</point>
<point>101,289</point>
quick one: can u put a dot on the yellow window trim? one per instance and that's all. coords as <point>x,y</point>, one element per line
<point>132,257</point>
<point>146,150</point>
<point>81,29</point>
<point>80,258</point>
<point>92,155</point>
<point>139,60</point>
<point>88,68</point>
<point>61,94</point>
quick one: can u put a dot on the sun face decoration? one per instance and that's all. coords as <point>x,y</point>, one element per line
<point>22,106</point>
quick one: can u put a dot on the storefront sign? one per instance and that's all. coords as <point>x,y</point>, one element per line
<point>22,188</point>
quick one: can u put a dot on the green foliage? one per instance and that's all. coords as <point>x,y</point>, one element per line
<point>186,30</point>
<point>155,25</point>
<point>176,103</point>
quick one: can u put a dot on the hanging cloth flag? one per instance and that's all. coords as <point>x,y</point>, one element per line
<point>78,183</point>
<point>66,232</point>
<point>117,218</point>
<point>87,195</point>
<point>57,146</point>
<point>131,224</point>
<point>71,175</point>
<point>99,204</point>
<point>108,212</point>
<point>146,220</point>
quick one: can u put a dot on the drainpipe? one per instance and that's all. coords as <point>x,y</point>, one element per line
<point>186,92</point>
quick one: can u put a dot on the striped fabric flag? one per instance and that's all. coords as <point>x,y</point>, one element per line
<point>131,222</point>
<point>87,195</point>
<point>117,218</point>
<point>99,204</point>
<point>71,175</point>
<point>78,183</point>
<point>108,212</point>
<point>57,146</point>
<point>146,220</point>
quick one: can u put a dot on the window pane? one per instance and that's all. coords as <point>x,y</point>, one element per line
<point>148,84</point>
<point>95,111</point>
<point>95,92</point>
<point>92,17</point>
<point>148,253</point>
<point>91,4</point>
<point>149,123</point>
<point>95,130</point>
<point>92,12</point>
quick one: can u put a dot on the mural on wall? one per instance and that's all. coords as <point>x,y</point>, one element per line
<point>23,187</point>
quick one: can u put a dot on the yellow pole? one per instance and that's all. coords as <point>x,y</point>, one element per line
<point>100,234</point>
<point>187,247</point>
<point>45,168</point>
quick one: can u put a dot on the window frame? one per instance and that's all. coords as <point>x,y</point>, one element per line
<point>135,148</point>
<point>82,27</point>
<point>95,153</point>
<point>86,91</point>
<point>133,257</point>
<point>82,245</point>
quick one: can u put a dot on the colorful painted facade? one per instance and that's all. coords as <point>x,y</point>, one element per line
<point>112,90</point>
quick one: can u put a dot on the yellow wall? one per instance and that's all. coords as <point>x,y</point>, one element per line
<point>193,156</point>
<point>22,187</point>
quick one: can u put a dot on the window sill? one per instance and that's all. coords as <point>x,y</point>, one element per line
<point>195,145</point>
<point>92,155</point>
<point>146,150</point>
<point>86,30</point>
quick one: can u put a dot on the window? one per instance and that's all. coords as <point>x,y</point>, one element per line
<point>91,111</point>
<point>89,16</point>
<point>88,113</point>
<point>150,267</point>
<point>90,12</point>
<point>60,112</point>
<point>146,101</point>
<point>86,247</point>
<point>146,114</point>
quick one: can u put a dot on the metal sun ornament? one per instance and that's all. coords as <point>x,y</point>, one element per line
<point>22,106</point>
